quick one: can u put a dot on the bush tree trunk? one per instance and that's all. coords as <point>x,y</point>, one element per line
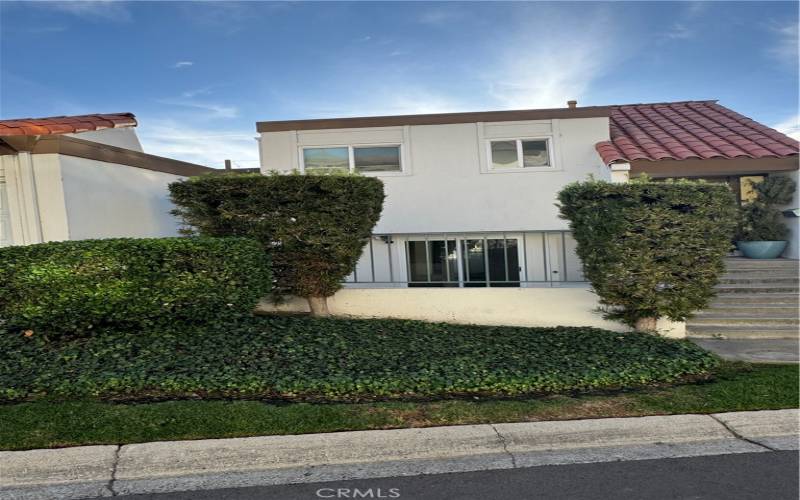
<point>318,306</point>
<point>646,324</point>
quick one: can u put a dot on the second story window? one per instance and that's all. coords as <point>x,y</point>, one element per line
<point>377,159</point>
<point>509,154</point>
<point>364,159</point>
<point>326,160</point>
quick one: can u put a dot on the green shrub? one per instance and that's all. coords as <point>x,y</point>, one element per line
<point>314,227</point>
<point>77,287</point>
<point>304,358</point>
<point>650,249</point>
<point>760,220</point>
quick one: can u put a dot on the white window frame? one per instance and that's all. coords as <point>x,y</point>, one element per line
<point>520,160</point>
<point>351,157</point>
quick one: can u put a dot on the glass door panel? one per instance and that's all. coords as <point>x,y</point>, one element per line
<point>432,263</point>
<point>474,264</point>
<point>492,259</point>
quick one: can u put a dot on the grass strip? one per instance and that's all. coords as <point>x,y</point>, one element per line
<point>44,424</point>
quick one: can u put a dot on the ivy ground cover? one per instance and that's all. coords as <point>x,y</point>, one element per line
<point>329,359</point>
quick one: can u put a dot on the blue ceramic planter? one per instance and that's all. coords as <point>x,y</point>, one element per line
<point>761,249</point>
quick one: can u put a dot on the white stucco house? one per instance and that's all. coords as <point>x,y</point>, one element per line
<point>80,177</point>
<point>470,230</point>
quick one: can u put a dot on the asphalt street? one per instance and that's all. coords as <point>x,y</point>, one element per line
<point>769,475</point>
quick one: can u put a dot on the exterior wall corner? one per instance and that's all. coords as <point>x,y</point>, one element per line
<point>620,172</point>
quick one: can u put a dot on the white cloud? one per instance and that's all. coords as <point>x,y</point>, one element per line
<point>694,9</point>
<point>405,98</point>
<point>106,10</point>
<point>39,30</point>
<point>790,127</point>
<point>183,64</point>
<point>524,68</point>
<point>191,93</point>
<point>210,110</point>
<point>439,17</point>
<point>205,146</point>
<point>679,31</point>
<point>785,45</point>
<point>415,101</point>
<point>547,67</point>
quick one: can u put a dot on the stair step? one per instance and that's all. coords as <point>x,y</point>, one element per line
<point>764,288</point>
<point>721,321</point>
<point>761,262</point>
<point>752,280</point>
<point>768,267</point>
<point>750,310</point>
<point>743,332</point>
<point>756,298</point>
<point>749,271</point>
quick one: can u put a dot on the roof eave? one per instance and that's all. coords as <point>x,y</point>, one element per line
<point>434,119</point>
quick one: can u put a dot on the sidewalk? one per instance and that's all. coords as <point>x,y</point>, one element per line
<point>94,471</point>
<point>753,350</point>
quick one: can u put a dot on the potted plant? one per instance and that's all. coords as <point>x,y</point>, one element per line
<point>761,232</point>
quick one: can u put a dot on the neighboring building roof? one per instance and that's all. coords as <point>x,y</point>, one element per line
<point>689,130</point>
<point>65,124</point>
<point>73,146</point>
<point>434,119</point>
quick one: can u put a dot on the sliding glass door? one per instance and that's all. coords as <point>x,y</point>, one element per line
<point>490,262</point>
<point>432,263</point>
<point>464,262</point>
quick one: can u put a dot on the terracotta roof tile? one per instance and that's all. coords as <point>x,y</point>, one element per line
<point>692,129</point>
<point>65,124</point>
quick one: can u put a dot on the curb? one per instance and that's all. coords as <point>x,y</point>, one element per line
<point>94,471</point>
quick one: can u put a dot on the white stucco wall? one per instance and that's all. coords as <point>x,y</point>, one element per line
<point>570,306</point>
<point>50,197</point>
<point>446,186</point>
<point>793,223</point>
<point>120,137</point>
<point>33,201</point>
<point>6,238</point>
<point>106,200</point>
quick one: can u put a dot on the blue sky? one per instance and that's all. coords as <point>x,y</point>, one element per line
<point>199,75</point>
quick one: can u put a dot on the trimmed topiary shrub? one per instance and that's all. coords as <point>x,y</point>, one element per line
<point>760,220</point>
<point>314,227</point>
<point>651,249</point>
<point>74,288</point>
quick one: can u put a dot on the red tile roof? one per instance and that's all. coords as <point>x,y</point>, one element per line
<point>692,129</point>
<point>65,124</point>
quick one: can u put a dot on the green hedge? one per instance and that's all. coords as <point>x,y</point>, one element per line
<point>651,249</point>
<point>74,288</point>
<point>314,227</point>
<point>303,358</point>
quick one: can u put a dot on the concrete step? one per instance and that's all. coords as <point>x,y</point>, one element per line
<point>744,260</point>
<point>760,280</point>
<point>721,321</point>
<point>794,271</point>
<point>761,272</point>
<point>756,288</point>
<point>750,265</point>
<point>750,310</point>
<point>744,299</point>
<point>742,332</point>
